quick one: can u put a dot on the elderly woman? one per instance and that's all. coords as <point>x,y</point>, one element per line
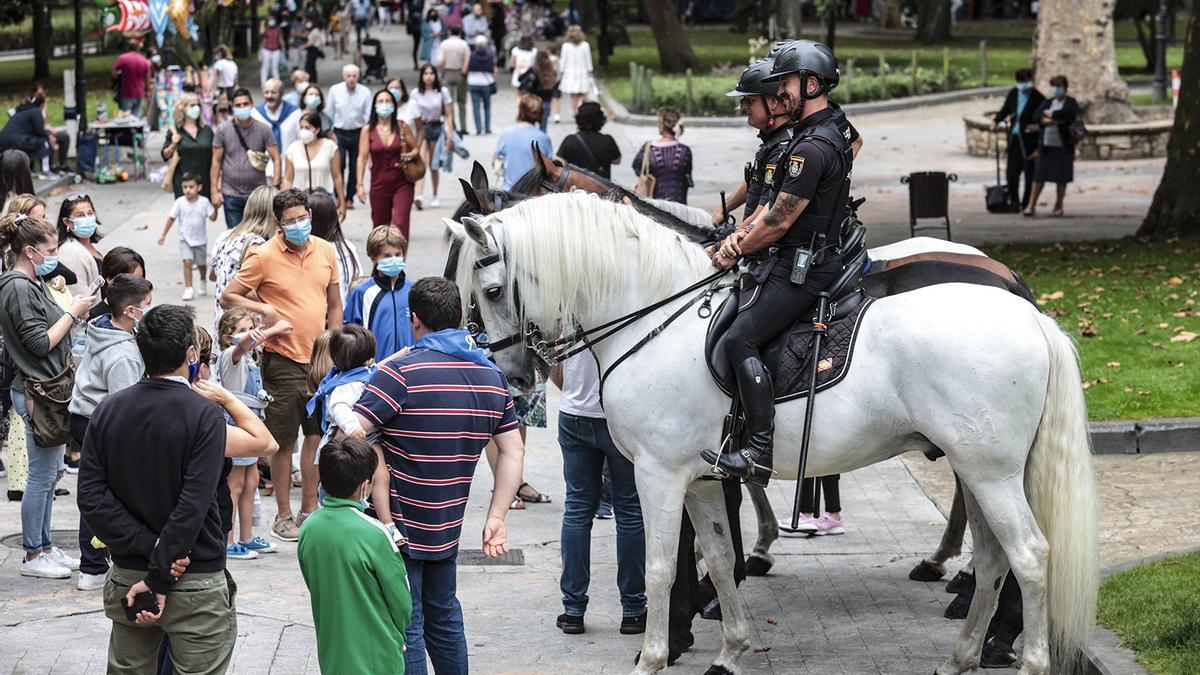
<point>1056,152</point>
<point>192,141</point>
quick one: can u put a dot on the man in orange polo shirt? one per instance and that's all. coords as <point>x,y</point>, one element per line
<point>294,277</point>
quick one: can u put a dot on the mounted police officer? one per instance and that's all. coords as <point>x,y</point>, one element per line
<point>789,248</point>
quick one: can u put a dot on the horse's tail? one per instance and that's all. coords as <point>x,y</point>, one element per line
<point>1061,486</point>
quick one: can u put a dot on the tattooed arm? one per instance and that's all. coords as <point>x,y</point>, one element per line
<point>774,224</point>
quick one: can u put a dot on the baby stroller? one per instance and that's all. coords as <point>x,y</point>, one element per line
<point>374,61</point>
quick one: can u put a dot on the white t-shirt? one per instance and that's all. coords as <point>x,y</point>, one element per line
<point>189,216</point>
<point>408,113</point>
<point>581,387</point>
<point>226,72</point>
<point>315,173</point>
<point>522,61</point>
<point>233,376</point>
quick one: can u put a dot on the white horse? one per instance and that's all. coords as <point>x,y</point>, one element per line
<point>971,370</point>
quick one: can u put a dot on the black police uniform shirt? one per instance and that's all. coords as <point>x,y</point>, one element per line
<point>766,161</point>
<point>811,169</point>
<point>777,166</point>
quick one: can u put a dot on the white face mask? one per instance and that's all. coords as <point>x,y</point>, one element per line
<point>307,136</point>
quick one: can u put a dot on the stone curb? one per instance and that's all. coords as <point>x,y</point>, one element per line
<point>44,188</point>
<point>1174,434</point>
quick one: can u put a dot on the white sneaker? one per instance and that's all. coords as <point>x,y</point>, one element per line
<point>203,290</point>
<point>90,582</point>
<point>807,525</point>
<point>62,559</point>
<point>556,120</point>
<point>188,294</point>
<point>435,202</point>
<point>43,567</point>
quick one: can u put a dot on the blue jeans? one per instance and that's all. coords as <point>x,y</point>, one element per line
<point>38,500</point>
<point>437,619</point>
<point>132,105</point>
<point>234,208</point>
<point>586,443</point>
<point>481,100</point>
<point>92,560</point>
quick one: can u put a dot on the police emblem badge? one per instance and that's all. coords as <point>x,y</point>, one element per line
<point>795,166</point>
<point>769,177</point>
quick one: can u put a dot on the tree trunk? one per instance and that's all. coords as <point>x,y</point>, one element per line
<point>1176,206</point>
<point>41,42</point>
<point>1075,38</point>
<point>1147,38</point>
<point>933,21</point>
<point>831,29</point>
<point>675,53</point>
<point>789,19</point>
<point>890,16</point>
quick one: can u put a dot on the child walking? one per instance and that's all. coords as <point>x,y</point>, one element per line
<point>381,303</point>
<point>190,210</point>
<point>239,373</point>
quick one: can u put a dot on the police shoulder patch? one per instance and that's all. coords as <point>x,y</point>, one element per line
<point>795,166</point>
<point>769,177</point>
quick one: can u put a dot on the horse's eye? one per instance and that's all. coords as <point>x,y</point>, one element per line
<point>493,293</point>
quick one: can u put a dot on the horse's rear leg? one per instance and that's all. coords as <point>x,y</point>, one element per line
<point>760,560</point>
<point>934,567</point>
<point>661,493</point>
<point>991,566</point>
<point>706,507</point>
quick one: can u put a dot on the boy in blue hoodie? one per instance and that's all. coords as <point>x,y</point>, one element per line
<point>111,362</point>
<point>381,303</point>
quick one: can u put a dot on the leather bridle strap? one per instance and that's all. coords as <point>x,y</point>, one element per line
<point>559,185</point>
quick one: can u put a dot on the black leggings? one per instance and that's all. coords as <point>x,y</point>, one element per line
<point>829,494</point>
<point>1017,165</point>
<point>779,304</point>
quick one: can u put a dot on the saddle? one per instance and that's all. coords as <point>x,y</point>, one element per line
<point>788,356</point>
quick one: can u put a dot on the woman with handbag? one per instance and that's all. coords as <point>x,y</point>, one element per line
<point>313,163</point>
<point>1058,117</point>
<point>437,118</point>
<point>481,83</point>
<point>664,167</point>
<point>35,331</point>
<point>388,146</point>
<point>188,147</point>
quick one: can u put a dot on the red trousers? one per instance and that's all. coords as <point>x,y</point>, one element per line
<point>391,204</point>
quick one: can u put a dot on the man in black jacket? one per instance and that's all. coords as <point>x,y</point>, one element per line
<point>27,130</point>
<point>147,485</point>
<point>1018,111</point>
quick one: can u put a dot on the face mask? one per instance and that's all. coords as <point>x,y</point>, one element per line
<point>193,371</point>
<point>192,111</point>
<point>1024,86</point>
<point>49,263</point>
<point>301,87</point>
<point>395,93</point>
<point>271,22</point>
<point>156,59</point>
<point>313,102</point>
<point>85,226</point>
<point>138,320</point>
<point>298,234</point>
<point>242,114</point>
<point>1058,92</point>
<point>307,136</point>
<point>390,267</point>
<point>385,110</point>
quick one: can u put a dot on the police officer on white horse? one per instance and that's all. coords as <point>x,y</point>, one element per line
<point>790,250</point>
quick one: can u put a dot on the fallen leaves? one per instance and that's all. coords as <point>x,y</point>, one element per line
<point>1174,281</point>
<point>1184,336</point>
<point>1113,364</point>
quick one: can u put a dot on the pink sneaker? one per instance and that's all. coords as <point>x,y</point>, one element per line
<point>807,525</point>
<point>829,524</point>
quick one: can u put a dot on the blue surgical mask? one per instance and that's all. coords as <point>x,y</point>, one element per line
<point>193,371</point>
<point>242,114</point>
<point>385,110</point>
<point>395,93</point>
<point>1058,92</point>
<point>297,233</point>
<point>143,310</point>
<point>1024,86</point>
<point>192,111</point>
<point>85,226</point>
<point>49,263</point>
<point>156,59</point>
<point>391,266</point>
<point>313,102</point>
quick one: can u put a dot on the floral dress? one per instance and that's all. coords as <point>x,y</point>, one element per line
<point>227,256</point>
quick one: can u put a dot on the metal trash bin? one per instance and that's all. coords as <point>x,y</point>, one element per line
<point>929,197</point>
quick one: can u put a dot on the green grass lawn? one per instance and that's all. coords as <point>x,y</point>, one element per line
<point>1155,610</point>
<point>1132,308</point>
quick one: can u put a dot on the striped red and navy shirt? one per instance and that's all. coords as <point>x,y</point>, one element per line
<point>436,414</point>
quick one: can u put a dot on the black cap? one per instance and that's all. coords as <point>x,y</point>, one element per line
<point>751,81</point>
<point>807,57</point>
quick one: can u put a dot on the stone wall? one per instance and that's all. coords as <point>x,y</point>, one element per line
<point>1138,140</point>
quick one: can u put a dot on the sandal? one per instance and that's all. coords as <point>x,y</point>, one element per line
<point>265,487</point>
<point>516,505</point>
<point>535,498</point>
<point>1056,213</point>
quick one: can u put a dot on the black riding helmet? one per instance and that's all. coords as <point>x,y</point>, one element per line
<point>807,58</point>
<point>751,82</point>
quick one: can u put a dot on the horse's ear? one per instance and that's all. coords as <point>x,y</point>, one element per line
<point>543,163</point>
<point>479,179</point>
<point>471,195</point>
<point>455,229</point>
<point>476,231</point>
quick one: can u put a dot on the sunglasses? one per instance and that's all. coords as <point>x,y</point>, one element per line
<point>77,197</point>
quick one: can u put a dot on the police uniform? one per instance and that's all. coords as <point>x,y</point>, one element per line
<point>762,170</point>
<point>773,179</point>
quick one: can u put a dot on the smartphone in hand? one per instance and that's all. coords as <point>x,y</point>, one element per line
<point>142,602</point>
<point>95,286</point>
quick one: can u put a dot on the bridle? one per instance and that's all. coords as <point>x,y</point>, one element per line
<point>559,185</point>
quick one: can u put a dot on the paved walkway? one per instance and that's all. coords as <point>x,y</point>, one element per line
<point>832,605</point>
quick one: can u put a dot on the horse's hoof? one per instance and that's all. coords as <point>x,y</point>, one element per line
<point>926,571</point>
<point>714,669</point>
<point>959,606</point>
<point>962,581</point>
<point>757,567</point>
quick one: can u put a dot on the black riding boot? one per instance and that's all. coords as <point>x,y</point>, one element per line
<point>758,401</point>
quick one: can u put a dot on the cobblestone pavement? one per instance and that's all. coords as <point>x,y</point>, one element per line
<point>832,605</point>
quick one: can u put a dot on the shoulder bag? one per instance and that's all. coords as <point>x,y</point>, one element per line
<point>258,160</point>
<point>47,401</point>
<point>413,169</point>
<point>646,181</point>
<point>587,150</point>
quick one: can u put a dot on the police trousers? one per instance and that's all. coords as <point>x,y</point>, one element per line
<point>768,308</point>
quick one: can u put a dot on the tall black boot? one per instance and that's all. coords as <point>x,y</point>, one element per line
<point>754,461</point>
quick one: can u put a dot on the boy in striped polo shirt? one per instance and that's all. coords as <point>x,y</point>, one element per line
<point>437,406</point>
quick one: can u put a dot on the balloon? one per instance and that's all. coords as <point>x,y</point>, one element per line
<point>135,16</point>
<point>159,18</point>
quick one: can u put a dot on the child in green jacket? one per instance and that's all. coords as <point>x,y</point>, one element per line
<point>355,574</point>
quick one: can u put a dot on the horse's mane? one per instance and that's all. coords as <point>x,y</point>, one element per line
<point>689,214</point>
<point>572,247</point>
<point>530,182</point>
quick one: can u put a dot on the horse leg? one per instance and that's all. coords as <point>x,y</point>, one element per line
<point>933,568</point>
<point>760,560</point>
<point>706,506</point>
<point>990,569</point>
<point>661,492</point>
